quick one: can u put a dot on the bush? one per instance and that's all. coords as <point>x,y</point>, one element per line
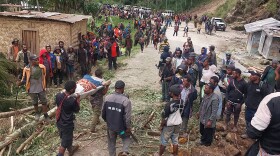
<point>6,70</point>
<point>91,8</point>
<point>272,6</point>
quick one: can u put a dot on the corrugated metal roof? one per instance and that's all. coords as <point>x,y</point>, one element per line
<point>69,18</point>
<point>259,25</point>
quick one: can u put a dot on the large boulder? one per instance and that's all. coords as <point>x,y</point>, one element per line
<point>239,26</point>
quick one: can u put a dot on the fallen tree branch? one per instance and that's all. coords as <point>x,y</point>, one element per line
<point>149,119</point>
<point>15,112</point>
<point>27,141</point>
<point>11,137</point>
<point>2,151</point>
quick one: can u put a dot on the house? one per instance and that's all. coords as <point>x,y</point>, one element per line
<point>269,46</point>
<point>254,31</point>
<point>38,29</point>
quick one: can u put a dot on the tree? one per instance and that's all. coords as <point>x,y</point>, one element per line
<point>91,8</point>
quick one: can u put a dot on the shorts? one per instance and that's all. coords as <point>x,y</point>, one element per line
<point>35,97</point>
<point>171,132</point>
<point>66,136</point>
<point>70,68</point>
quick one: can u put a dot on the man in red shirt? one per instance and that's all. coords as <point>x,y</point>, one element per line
<point>113,53</point>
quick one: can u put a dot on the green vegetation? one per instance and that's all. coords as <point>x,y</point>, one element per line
<point>224,9</point>
<point>272,6</point>
<point>6,68</point>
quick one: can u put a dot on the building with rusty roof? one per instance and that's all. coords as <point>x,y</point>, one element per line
<point>38,29</point>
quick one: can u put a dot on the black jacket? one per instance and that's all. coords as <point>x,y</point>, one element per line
<point>116,112</point>
<point>69,107</point>
<point>236,91</point>
<point>255,94</point>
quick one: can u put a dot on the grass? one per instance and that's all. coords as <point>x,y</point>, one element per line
<point>224,9</point>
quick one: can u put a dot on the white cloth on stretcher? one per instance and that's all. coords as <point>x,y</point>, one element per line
<point>86,88</point>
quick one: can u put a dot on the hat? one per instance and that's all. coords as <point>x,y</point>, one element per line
<point>168,59</point>
<point>253,72</point>
<point>15,40</point>
<point>175,89</point>
<point>274,61</point>
<point>178,49</point>
<point>33,57</point>
<point>181,67</point>
<point>189,38</point>
<point>119,84</point>
<point>228,54</point>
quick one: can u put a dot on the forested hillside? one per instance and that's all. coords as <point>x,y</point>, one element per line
<point>74,6</point>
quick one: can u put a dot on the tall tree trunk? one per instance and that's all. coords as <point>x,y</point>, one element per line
<point>38,7</point>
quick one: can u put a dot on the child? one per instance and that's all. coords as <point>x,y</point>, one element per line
<point>123,50</point>
<point>70,62</point>
<point>142,42</point>
<point>198,28</point>
<point>58,72</point>
<point>66,107</point>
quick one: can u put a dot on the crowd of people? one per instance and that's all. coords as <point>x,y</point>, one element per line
<point>222,91</point>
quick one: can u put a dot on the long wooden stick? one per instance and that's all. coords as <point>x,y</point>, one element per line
<point>27,141</point>
<point>15,112</point>
<point>10,138</point>
<point>149,120</point>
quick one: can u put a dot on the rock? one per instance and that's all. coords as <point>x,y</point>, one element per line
<point>230,150</point>
<point>264,62</point>
<point>183,152</point>
<point>193,137</point>
<point>220,127</point>
<point>239,26</point>
<point>224,134</point>
<point>245,143</point>
<point>203,151</point>
<point>221,143</point>
<point>230,137</point>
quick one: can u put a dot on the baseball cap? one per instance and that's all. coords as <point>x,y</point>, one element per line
<point>175,89</point>
<point>33,57</point>
<point>119,84</point>
<point>228,54</point>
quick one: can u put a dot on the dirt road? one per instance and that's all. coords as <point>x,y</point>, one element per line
<point>140,73</point>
